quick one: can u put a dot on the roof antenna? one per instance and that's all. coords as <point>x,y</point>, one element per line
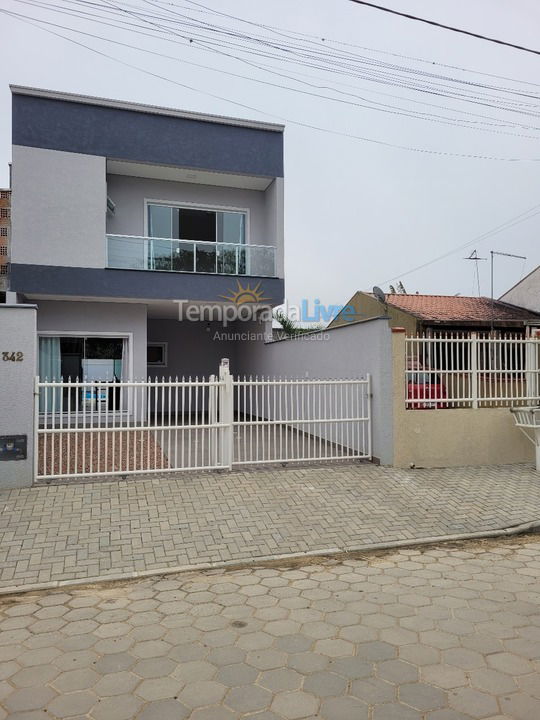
<point>492,253</point>
<point>474,256</point>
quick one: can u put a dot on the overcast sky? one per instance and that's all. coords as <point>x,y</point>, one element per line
<point>357,213</point>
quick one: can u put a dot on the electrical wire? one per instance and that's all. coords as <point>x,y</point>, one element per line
<point>446,27</point>
<point>511,222</point>
<point>428,116</point>
<point>391,109</point>
<point>290,32</point>
<point>382,143</point>
<point>304,59</point>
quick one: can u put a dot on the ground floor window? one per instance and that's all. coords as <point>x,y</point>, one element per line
<point>156,354</point>
<point>88,358</point>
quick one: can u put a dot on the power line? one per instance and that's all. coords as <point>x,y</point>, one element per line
<point>384,107</point>
<point>210,46</point>
<point>446,27</point>
<point>295,53</point>
<point>383,143</point>
<point>325,40</point>
<point>511,222</point>
<point>387,77</point>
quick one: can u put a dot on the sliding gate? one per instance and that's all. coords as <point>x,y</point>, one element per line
<point>96,429</point>
<point>301,420</point>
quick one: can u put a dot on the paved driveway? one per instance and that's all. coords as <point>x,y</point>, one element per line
<point>89,530</point>
<point>438,634</point>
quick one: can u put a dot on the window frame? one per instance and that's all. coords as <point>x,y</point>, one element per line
<point>164,355</point>
<point>199,206</point>
<point>86,334</point>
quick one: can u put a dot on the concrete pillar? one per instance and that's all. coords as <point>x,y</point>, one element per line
<point>18,364</point>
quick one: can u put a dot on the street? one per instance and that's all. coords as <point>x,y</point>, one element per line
<point>433,633</point>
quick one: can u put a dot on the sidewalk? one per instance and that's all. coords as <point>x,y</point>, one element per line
<point>90,530</point>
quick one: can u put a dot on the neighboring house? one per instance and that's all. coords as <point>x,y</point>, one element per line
<point>5,223</point>
<point>526,292</point>
<point>119,210</point>
<point>425,314</point>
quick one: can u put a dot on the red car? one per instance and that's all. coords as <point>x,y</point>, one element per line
<point>425,387</point>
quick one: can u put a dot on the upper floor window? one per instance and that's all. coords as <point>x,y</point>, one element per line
<point>184,223</point>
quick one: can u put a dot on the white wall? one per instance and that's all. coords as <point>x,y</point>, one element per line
<point>348,351</point>
<point>526,293</point>
<point>129,194</point>
<point>275,217</point>
<point>96,317</point>
<point>58,208</point>
<point>17,335</point>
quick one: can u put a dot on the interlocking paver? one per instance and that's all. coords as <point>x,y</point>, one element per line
<point>181,519</point>
<point>248,698</point>
<point>325,684</point>
<point>373,690</point>
<point>344,708</point>
<point>231,662</point>
<point>238,674</point>
<point>164,710</point>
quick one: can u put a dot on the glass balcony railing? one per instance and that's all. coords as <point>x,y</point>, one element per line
<point>127,252</point>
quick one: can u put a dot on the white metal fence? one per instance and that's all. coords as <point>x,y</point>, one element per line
<point>471,370</point>
<point>85,428</point>
<point>300,420</point>
<point>119,428</point>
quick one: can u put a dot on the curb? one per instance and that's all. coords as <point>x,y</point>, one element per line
<point>533,526</point>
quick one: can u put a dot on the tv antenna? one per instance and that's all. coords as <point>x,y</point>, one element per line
<point>474,256</point>
<point>503,254</point>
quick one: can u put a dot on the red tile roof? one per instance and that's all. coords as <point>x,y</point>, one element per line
<point>448,308</point>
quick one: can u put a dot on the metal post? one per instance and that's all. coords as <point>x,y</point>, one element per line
<point>369,452</point>
<point>226,414</point>
<point>492,306</point>
<point>502,254</point>
<point>212,420</point>
<point>474,370</point>
<point>36,428</point>
<point>531,367</point>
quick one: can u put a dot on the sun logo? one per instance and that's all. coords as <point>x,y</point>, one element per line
<point>246,294</point>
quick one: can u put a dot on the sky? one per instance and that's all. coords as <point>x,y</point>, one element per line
<point>358,212</point>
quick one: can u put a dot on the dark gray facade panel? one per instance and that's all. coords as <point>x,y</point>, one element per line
<point>137,284</point>
<point>144,137</point>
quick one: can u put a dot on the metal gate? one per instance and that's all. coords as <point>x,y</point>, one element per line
<point>96,429</point>
<point>301,420</point>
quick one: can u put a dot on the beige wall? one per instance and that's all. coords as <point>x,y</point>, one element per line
<point>453,436</point>
<point>365,307</point>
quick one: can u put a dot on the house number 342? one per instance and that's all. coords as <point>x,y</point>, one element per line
<point>8,356</point>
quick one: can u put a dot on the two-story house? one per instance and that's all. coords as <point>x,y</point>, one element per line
<point>121,210</point>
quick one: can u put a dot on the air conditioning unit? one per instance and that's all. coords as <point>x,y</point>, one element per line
<point>111,207</point>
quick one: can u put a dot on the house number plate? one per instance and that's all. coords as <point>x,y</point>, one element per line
<point>12,356</point>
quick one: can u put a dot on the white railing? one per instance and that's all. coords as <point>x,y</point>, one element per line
<point>471,370</point>
<point>126,252</point>
<point>121,428</point>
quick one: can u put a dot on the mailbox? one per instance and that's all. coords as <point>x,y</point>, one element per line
<point>13,447</point>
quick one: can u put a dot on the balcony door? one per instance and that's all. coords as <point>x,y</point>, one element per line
<point>202,240</point>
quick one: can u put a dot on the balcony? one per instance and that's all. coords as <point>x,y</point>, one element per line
<point>125,252</point>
